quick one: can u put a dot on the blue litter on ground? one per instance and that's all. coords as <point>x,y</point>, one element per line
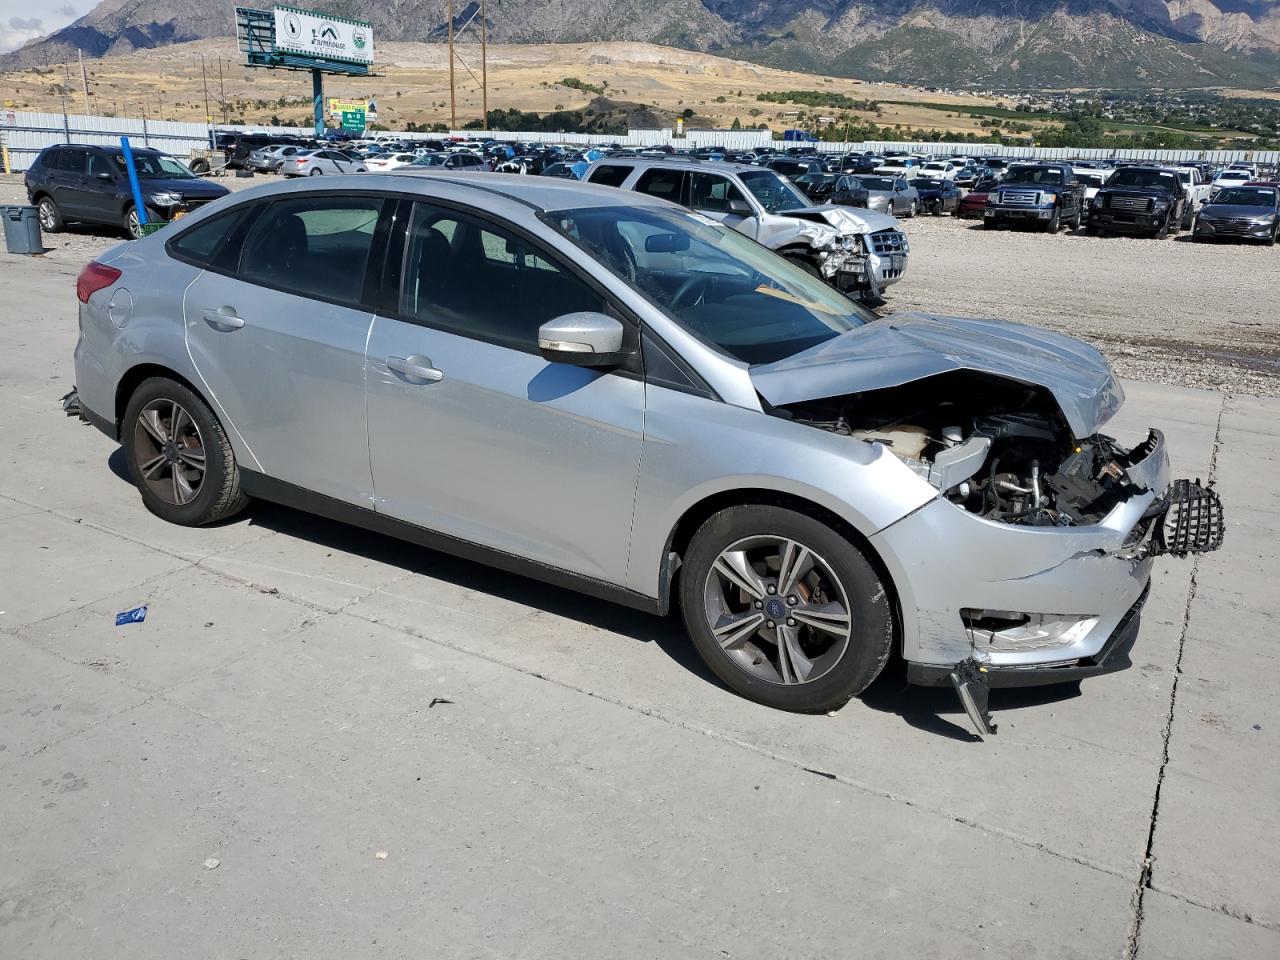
<point>136,615</point>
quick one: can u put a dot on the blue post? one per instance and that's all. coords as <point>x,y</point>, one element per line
<point>317,95</point>
<point>138,203</point>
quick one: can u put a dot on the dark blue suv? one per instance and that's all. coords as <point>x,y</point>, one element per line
<point>88,184</point>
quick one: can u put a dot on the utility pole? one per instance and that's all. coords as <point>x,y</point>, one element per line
<point>453,93</point>
<point>222,92</point>
<point>204,80</point>
<point>484,66</point>
<point>84,81</point>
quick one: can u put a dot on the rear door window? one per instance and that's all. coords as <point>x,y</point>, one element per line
<point>313,246</point>
<point>660,182</point>
<point>73,161</point>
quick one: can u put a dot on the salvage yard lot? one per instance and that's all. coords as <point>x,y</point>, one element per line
<point>550,776</point>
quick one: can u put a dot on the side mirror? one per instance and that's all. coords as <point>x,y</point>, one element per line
<point>581,339</point>
<point>739,207</point>
<point>104,176</point>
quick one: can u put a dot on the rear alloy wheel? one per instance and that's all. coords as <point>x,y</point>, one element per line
<point>317,172</point>
<point>179,455</point>
<point>50,216</point>
<point>783,609</point>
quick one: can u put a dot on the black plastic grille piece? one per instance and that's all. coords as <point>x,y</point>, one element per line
<point>1193,522</point>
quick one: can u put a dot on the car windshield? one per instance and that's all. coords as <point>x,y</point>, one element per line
<point>1247,196</point>
<point>936,166</point>
<point>155,166</point>
<point>1090,179</point>
<point>775,194</point>
<point>429,160</point>
<point>1135,177</point>
<point>924,183</point>
<point>877,183</point>
<point>728,291</point>
<point>1050,175</point>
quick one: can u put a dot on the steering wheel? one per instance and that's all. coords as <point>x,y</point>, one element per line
<point>695,281</point>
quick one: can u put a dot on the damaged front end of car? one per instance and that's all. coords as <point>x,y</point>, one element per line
<point>1033,562</point>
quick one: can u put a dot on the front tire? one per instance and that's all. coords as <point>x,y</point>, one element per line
<point>1055,223</point>
<point>785,610</point>
<point>911,211</point>
<point>179,455</point>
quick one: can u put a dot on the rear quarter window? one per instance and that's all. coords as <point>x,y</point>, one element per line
<point>203,244</point>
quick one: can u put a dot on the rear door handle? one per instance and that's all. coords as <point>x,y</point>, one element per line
<point>415,368</point>
<point>224,318</point>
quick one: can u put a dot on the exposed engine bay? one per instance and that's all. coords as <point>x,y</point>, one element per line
<point>997,448</point>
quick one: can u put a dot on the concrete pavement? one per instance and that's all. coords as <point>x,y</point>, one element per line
<point>549,776</point>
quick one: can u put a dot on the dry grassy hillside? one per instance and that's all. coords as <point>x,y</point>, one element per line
<point>413,85</point>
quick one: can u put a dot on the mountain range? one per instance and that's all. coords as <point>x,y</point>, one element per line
<point>1015,43</point>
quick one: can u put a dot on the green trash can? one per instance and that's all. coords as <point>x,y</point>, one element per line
<point>22,229</point>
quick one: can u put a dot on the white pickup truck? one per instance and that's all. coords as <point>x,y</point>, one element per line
<point>1197,191</point>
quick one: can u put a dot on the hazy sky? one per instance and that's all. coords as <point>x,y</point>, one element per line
<point>23,20</point>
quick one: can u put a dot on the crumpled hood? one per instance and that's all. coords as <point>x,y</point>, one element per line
<point>848,219</point>
<point>913,346</point>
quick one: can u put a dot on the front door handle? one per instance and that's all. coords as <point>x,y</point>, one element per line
<point>224,318</point>
<point>415,368</point>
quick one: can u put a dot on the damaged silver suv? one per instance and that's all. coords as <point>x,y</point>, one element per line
<point>609,392</point>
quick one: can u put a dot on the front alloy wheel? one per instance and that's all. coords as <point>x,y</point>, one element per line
<point>778,609</point>
<point>784,609</point>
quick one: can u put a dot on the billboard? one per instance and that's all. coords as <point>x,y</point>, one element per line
<point>307,34</point>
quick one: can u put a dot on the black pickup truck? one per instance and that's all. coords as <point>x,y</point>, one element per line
<point>1141,200</point>
<point>1044,195</point>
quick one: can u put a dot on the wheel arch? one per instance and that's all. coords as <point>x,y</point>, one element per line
<point>135,376</point>
<point>697,514</point>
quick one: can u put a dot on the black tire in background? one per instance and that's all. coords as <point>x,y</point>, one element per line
<point>869,606</point>
<point>219,495</point>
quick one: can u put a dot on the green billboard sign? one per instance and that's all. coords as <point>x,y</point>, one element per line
<point>353,120</point>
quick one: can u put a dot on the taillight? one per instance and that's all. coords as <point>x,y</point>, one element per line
<point>94,277</point>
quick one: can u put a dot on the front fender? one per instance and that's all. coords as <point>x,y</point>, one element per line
<point>696,448</point>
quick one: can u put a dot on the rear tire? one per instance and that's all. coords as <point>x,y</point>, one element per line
<point>838,587</point>
<point>316,173</point>
<point>179,455</point>
<point>50,216</point>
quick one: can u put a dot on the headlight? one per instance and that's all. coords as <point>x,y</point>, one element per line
<point>1049,199</point>
<point>166,199</point>
<point>851,242</point>
<point>1162,205</point>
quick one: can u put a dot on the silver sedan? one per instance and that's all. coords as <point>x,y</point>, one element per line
<point>892,195</point>
<point>314,163</point>
<point>611,393</point>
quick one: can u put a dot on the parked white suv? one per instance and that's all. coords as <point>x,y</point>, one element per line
<point>853,250</point>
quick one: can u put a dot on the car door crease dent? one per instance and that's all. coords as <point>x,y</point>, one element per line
<point>186,343</point>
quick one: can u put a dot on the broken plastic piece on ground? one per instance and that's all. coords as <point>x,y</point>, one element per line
<point>972,686</point>
<point>71,403</point>
<point>136,615</point>
<point>212,863</point>
<point>435,700</point>
<point>380,855</point>
<point>1193,521</point>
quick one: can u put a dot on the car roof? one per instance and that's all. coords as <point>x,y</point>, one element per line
<point>679,161</point>
<point>544,193</point>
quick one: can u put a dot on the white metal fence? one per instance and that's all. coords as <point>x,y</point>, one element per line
<point>26,134</point>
